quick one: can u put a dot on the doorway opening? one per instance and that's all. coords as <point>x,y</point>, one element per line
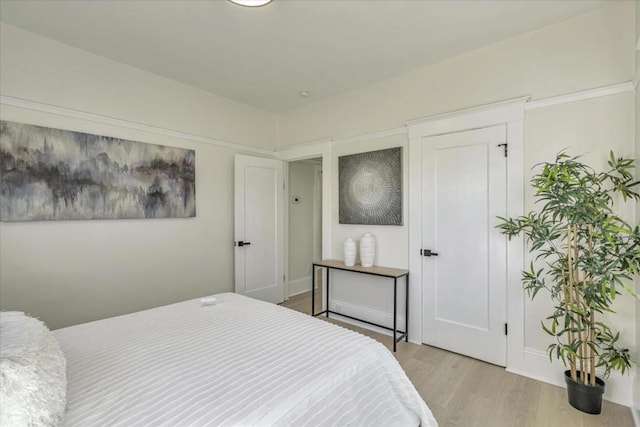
<point>304,207</point>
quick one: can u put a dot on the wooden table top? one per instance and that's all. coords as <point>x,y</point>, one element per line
<point>377,270</point>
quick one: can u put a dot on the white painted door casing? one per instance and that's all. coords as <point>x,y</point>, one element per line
<point>464,287</point>
<point>259,220</point>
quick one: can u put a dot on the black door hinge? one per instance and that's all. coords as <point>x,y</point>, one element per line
<point>506,329</point>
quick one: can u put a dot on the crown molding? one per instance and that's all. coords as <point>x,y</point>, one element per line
<point>315,148</point>
<point>97,118</point>
<point>466,111</point>
<point>511,110</point>
<point>580,96</point>
<point>369,136</point>
<point>308,149</point>
<point>305,150</point>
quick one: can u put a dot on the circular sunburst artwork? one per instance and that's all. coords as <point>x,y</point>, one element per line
<point>370,187</point>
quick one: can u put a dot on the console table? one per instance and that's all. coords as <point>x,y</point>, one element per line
<point>392,273</point>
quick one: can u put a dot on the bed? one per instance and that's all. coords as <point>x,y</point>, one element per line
<point>239,362</point>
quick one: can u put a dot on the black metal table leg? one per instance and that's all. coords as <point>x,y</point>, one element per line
<point>313,289</point>
<point>406,308</point>
<point>395,310</point>
<point>327,296</point>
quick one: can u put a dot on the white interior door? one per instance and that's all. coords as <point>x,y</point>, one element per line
<point>259,232</point>
<point>464,285</point>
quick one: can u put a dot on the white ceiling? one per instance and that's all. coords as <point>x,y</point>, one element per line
<point>265,56</point>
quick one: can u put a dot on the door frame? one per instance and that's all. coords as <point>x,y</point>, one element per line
<point>510,113</point>
<point>317,211</point>
<point>317,200</point>
<point>303,152</point>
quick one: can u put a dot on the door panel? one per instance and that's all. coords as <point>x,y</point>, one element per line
<point>259,264</point>
<point>461,220</point>
<point>464,286</point>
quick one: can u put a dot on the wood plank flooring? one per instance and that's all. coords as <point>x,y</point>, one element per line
<point>462,391</point>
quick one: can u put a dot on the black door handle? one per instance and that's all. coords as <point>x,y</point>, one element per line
<point>241,243</point>
<point>427,252</point>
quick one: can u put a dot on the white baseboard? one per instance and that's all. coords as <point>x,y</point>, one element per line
<point>537,366</point>
<point>299,286</point>
<point>365,313</point>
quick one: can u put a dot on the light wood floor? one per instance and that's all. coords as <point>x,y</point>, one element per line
<point>462,391</point>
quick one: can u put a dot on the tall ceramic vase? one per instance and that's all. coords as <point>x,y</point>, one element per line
<point>367,250</point>
<point>349,253</point>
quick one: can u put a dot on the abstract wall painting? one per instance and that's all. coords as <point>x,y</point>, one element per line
<point>53,174</point>
<point>370,187</point>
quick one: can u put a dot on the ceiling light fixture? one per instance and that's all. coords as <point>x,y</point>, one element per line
<point>251,3</point>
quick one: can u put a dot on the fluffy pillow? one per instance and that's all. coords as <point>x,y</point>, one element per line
<point>33,380</point>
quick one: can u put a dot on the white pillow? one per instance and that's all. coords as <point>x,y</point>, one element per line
<point>33,379</point>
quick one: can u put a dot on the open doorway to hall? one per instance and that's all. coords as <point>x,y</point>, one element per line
<point>305,223</point>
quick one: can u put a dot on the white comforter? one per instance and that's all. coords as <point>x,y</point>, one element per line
<point>240,362</point>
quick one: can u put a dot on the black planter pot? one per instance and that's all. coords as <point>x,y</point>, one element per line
<point>584,398</point>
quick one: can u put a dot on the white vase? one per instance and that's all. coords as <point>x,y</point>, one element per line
<point>349,253</point>
<point>367,250</point>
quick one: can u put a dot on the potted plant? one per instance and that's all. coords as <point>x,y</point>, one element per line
<point>586,255</point>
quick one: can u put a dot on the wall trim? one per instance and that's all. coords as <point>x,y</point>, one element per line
<point>97,118</point>
<point>317,212</point>
<point>433,124</point>
<point>297,150</point>
<point>368,136</point>
<point>580,96</point>
<point>312,148</point>
<point>304,151</point>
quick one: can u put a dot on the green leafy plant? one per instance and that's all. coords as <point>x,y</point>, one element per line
<point>587,255</point>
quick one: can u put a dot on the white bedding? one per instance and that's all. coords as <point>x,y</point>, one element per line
<point>240,362</point>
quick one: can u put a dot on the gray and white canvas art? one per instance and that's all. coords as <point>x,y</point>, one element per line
<point>370,187</point>
<point>53,174</point>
